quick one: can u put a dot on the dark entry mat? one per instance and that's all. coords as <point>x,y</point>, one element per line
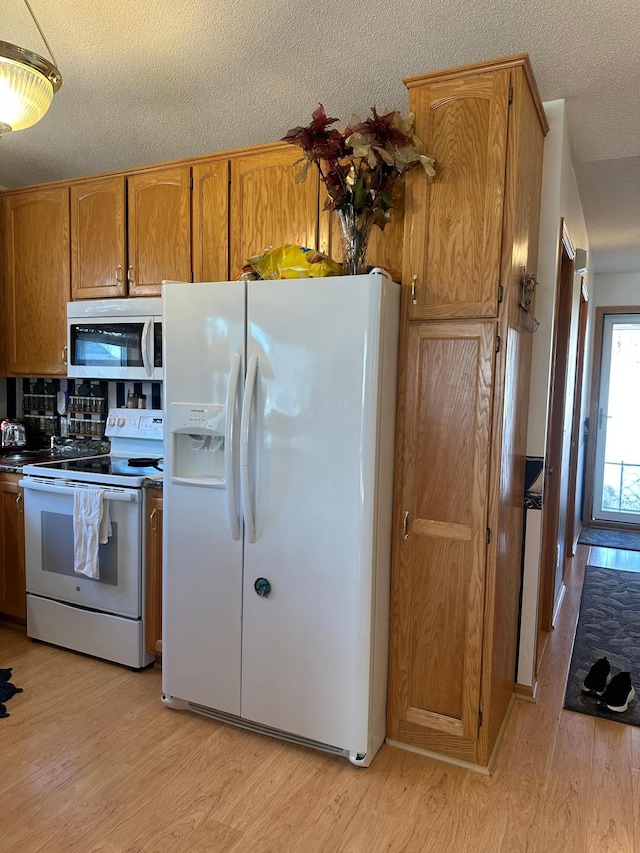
<point>608,626</point>
<point>623,539</point>
<point>7,690</point>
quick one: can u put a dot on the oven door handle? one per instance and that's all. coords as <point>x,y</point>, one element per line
<point>64,488</point>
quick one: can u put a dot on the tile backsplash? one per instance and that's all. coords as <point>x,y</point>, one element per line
<point>33,401</point>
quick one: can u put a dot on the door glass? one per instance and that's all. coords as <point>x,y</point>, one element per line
<point>617,472</point>
<point>57,549</point>
<point>108,344</point>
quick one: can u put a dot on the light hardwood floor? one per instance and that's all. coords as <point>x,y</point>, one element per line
<point>91,761</point>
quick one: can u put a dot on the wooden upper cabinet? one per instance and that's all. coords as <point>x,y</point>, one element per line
<point>453,234</point>
<point>98,238</point>
<point>210,221</point>
<point>159,229</point>
<point>384,247</point>
<point>444,443</point>
<point>37,285</point>
<point>268,207</point>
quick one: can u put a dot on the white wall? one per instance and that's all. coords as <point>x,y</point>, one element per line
<point>617,289</point>
<point>560,200</point>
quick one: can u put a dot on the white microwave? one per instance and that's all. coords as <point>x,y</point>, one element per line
<point>115,339</point>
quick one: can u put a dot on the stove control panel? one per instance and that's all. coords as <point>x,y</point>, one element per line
<point>135,423</point>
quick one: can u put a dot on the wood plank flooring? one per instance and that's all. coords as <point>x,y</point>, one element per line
<point>92,761</point>
<point>615,558</point>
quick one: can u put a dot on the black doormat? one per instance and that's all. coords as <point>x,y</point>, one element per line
<point>626,540</point>
<point>7,690</point>
<point>608,626</point>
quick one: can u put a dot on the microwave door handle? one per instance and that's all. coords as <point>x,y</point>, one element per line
<point>229,446</point>
<point>146,355</point>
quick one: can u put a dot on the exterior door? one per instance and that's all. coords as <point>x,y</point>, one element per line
<point>616,494</point>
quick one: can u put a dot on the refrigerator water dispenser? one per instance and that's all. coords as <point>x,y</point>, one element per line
<point>198,436</point>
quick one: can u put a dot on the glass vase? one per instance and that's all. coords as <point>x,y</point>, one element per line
<point>355,227</point>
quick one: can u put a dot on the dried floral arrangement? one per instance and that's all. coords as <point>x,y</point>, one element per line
<point>360,166</point>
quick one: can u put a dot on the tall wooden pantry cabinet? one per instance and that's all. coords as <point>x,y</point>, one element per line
<point>462,412</point>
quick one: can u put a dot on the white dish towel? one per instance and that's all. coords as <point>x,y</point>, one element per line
<point>91,527</point>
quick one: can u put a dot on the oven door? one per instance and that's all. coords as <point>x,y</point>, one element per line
<point>115,348</point>
<point>49,548</point>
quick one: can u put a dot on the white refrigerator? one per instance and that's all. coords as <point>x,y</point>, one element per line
<point>278,472</point>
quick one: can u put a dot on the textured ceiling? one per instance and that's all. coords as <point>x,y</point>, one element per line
<point>145,83</point>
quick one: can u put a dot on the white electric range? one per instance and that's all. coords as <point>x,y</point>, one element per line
<point>103,616</point>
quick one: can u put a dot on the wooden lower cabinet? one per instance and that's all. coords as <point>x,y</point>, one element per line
<point>12,573</point>
<point>153,572</point>
<point>440,561</point>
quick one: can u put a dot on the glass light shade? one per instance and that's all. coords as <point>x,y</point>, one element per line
<point>27,85</point>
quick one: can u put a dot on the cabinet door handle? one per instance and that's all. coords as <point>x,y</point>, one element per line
<point>131,278</point>
<point>414,278</point>
<point>119,275</point>
<point>153,522</point>
<point>405,525</point>
<point>19,502</point>
<point>63,355</point>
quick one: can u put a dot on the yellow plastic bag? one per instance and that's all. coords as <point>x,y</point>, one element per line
<point>289,261</point>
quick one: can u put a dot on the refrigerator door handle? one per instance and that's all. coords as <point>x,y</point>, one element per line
<point>229,442</point>
<point>247,403</point>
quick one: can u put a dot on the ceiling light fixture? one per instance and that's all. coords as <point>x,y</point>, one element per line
<point>27,83</point>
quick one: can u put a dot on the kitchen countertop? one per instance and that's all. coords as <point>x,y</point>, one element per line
<point>15,466</point>
<point>11,467</point>
<point>13,460</point>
